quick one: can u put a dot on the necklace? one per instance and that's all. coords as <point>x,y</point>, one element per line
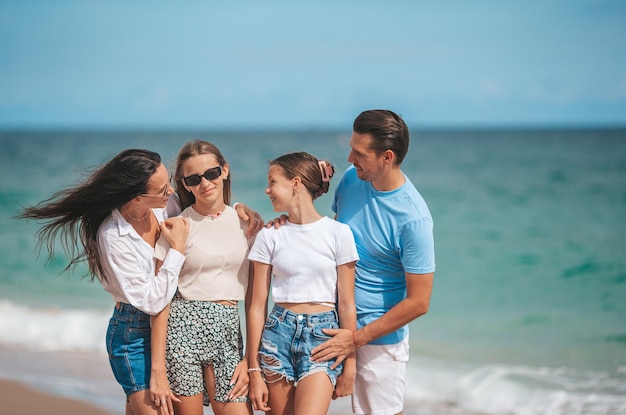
<point>210,215</point>
<point>134,218</point>
<point>213,215</point>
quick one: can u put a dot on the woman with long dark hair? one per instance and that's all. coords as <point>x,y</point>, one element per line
<point>112,221</point>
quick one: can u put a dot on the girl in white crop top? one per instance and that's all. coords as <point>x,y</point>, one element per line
<point>312,261</point>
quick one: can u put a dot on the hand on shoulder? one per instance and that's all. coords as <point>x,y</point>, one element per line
<point>277,222</point>
<point>176,231</point>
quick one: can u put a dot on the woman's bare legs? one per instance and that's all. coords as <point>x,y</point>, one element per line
<point>140,403</point>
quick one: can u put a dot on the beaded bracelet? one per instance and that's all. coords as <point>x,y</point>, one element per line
<point>254,369</point>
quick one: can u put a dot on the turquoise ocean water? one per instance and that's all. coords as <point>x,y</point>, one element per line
<point>528,313</point>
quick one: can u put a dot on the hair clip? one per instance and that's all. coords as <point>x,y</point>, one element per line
<point>327,170</point>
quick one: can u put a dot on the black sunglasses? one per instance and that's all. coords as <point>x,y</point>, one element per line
<point>210,174</point>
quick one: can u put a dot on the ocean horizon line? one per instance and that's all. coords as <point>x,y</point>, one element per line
<point>113,128</point>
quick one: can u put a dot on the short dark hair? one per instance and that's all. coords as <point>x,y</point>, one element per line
<point>388,131</point>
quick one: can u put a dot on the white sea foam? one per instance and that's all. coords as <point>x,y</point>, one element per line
<point>52,329</point>
<point>517,390</point>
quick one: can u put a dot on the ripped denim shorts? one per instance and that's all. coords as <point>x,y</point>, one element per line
<point>288,339</point>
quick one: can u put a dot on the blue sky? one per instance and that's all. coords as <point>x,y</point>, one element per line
<point>313,64</point>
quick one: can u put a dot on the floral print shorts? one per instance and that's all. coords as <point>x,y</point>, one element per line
<point>201,334</point>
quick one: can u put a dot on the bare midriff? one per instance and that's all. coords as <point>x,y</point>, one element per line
<point>225,302</point>
<point>307,308</point>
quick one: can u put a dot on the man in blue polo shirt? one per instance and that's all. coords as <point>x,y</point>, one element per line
<point>393,230</point>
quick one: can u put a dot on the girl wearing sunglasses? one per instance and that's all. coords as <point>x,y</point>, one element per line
<point>312,261</point>
<point>200,330</point>
<point>112,221</point>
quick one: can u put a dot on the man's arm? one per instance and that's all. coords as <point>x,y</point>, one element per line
<point>345,342</point>
<point>416,303</point>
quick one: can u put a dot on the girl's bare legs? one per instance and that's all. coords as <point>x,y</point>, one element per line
<point>282,396</point>
<point>194,405</point>
<point>311,397</point>
<point>313,394</point>
<point>189,405</point>
<point>223,408</point>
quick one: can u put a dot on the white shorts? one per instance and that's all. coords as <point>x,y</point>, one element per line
<point>380,378</point>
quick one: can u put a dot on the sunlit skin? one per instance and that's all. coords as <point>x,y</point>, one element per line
<point>158,185</point>
<point>158,190</point>
<point>208,193</point>
<point>379,169</point>
<point>281,193</point>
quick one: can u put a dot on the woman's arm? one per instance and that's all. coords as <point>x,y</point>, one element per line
<point>347,320</point>
<point>126,262</point>
<point>160,391</point>
<point>259,287</point>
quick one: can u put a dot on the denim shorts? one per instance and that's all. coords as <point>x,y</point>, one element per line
<point>288,339</point>
<point>128,346</point>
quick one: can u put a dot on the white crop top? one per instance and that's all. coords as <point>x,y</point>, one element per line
<point>216,267</point>
<point>304,259</point>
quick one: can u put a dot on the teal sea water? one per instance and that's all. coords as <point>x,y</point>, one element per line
<point>528,312</point>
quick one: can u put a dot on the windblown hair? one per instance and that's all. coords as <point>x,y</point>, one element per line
<point>191,149</point>
<point>388,131</point>
<point>307,167</point>
<point>74,215</point>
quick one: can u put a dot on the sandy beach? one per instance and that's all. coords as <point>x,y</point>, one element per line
<point>76,382</point>
<point>18,399</point>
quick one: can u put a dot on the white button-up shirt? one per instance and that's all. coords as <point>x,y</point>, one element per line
<point>129,265</point>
